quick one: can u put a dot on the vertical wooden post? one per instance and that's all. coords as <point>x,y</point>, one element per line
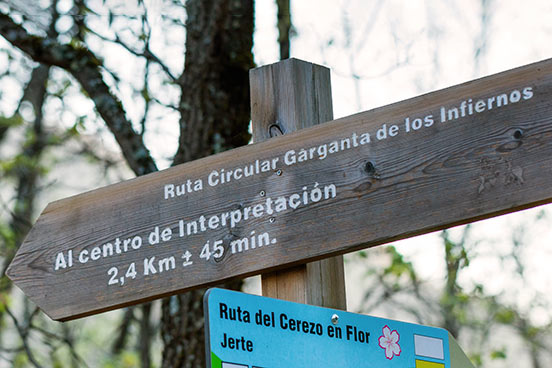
<point>287,96</point>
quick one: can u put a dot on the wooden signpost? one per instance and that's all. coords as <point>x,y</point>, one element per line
<point>465,153</point>
<point>286,97</point>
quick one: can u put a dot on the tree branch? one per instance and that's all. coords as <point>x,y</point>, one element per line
<point>23,332</point>
<point>123,331</point>
<point>146,53</point>
<point>86,68</point>
<point>284,27</point>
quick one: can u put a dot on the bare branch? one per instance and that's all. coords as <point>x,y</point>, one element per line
<point>86,69</point>
<point>145,338</point>
<point>146,53</point>
<point>123,331</point>
<point>284,28</point>
<point>23,332</point>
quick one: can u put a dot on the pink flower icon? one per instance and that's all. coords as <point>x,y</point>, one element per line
<point>390,342</point>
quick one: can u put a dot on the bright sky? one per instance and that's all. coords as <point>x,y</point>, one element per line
<point>408,47</point>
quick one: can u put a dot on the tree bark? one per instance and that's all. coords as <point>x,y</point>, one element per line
<point>214,104</point>
<point>214,116</point>
<point>144,341</point>
<point>284,28</point>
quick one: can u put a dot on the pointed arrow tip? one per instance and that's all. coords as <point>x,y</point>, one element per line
<point>9,272</point>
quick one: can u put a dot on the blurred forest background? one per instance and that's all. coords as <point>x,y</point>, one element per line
<point>97,91</point>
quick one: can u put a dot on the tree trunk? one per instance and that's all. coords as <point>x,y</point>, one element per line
<point>214,104</point>
<point>284,28</point>
<point>214,116</point>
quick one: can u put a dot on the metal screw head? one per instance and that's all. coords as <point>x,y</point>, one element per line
<point>279,172</point>
<point>335,319</point>
<point>262,193</point>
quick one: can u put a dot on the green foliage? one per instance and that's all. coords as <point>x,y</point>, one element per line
<point>21,361</point>
<point>531,332</point>
<point>465,309</point>
<point>455,252</point>
<point>145,94</point>
<point>5,300</point>
<point>399,266</point>
<point>124,360</point>
<point>20,164</point>
<point>8,237</point>
<point>62,89</point>
<point>56,363</point>
<point>505,316</point>
<point>498,354</point>
<point>13,121</point>
<point>398,270</point>
<point>476,359</point>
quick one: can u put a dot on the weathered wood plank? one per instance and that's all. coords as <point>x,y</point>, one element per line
<point>285,97</point>
<point>493,161</point>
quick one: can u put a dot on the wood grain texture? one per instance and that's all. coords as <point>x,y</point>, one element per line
<point>454,172</point>
<point>287,96</point>
<point>300,90</point>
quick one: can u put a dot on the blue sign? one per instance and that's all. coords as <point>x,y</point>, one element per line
<point>250,331</point>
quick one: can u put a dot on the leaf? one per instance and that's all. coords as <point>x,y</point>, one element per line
<point>498,354</point>
<point>12,121</point>
<point>505,316</point>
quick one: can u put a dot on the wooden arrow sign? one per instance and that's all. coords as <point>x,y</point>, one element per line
<point>454,156</point>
